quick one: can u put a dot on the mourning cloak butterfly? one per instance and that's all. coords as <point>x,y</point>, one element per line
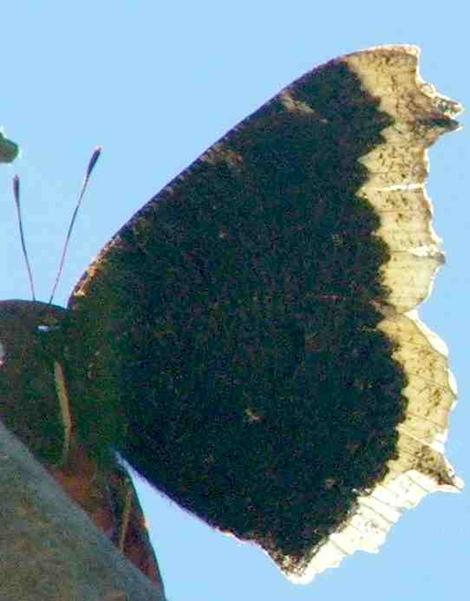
<point>248,340</point>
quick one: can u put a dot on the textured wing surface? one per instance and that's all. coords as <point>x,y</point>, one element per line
<point>246,338</point>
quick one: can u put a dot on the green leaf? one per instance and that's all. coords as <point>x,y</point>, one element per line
<point>8,150</point>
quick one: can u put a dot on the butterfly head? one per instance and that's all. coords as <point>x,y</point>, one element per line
<point>29,348</point>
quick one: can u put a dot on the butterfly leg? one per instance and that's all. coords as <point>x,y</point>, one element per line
<point>64,403</point>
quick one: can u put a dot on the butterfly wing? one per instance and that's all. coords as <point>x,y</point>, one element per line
<point>243,341</point>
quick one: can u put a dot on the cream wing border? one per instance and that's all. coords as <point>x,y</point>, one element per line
<point>397,172</point>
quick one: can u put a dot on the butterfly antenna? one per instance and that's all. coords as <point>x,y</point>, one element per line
<point>91,165</point>
<point>16,195</point>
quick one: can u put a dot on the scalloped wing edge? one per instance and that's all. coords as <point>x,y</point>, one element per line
<point>397,173</point>
<point>398,169</point>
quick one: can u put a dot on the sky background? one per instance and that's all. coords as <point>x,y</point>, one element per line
<point>155,83</point>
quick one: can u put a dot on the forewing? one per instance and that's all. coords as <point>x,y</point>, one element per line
<point>245,337</point>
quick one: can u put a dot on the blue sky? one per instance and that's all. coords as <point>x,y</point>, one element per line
<point>156,83</point>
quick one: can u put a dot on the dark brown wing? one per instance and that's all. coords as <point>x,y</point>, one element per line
<point>243,341</point>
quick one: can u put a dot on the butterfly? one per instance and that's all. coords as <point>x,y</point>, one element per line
<point>248,341</point>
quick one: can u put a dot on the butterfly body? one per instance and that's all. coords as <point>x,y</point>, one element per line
<point>34,407</point>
